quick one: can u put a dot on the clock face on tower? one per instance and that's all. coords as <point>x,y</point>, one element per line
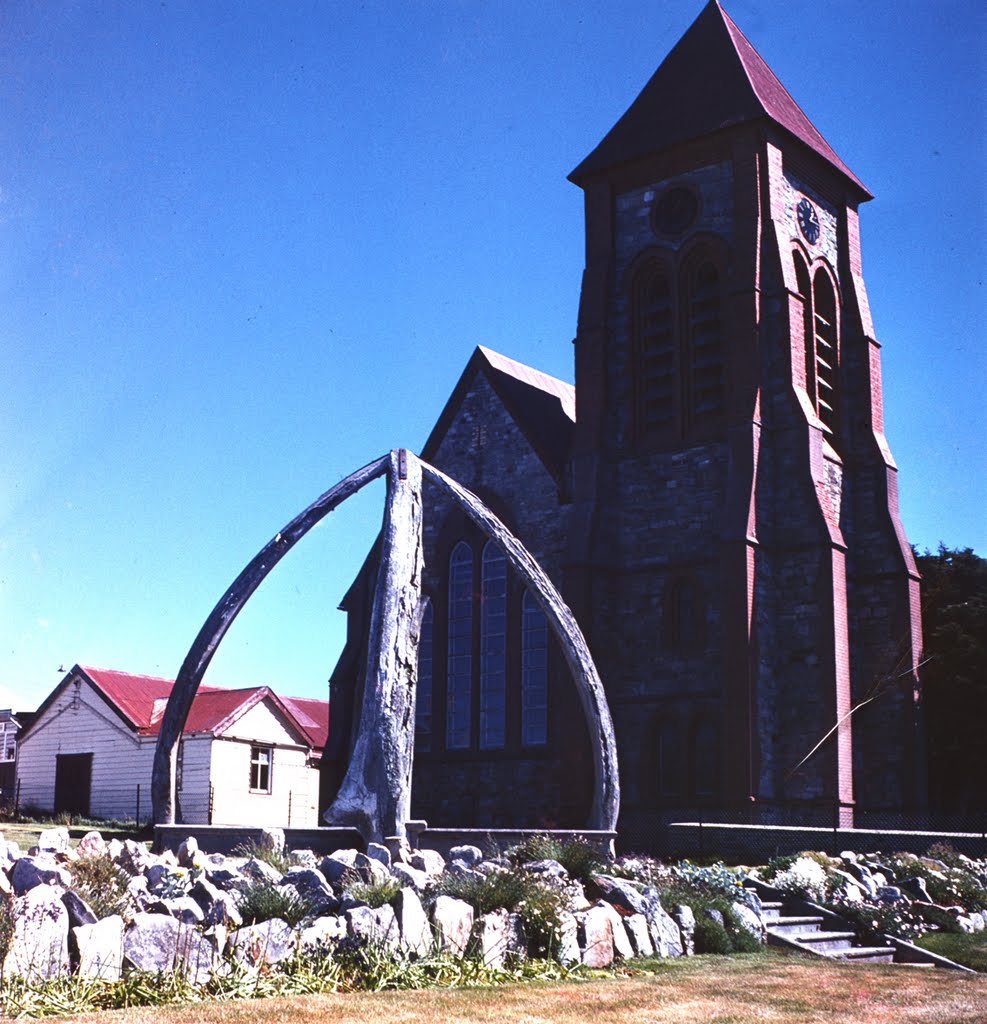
<point>808,221</point>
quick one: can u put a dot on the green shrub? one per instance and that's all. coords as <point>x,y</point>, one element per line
<point>946,853</point>
<point>580,858</point>
<point>374,894</point>
<point>279,858</point>
<point>537,902</point>
<point>263,901</point>
<point>101,883</point>
<point>711,936</point>
<point>741,940</point>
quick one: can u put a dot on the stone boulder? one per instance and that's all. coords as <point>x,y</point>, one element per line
<point>567,949</point>
<point>686,920</point>
<point>313,890</point>
<point>39,943</point>
<point>749,921</point>
<point>376,926</point>
<point>453,923</point>
<point>182,908</point>
<point>334,865</point>
<point>596,935</point>
<point>322,931</point>
<point>665,932</point>
<point>379,852</point>
<point>268,942</point>
<point>135,857</point>
<point>92,844</point>
<point>29,872</point>
<point>637,931</point>
<point>159,943</point>
<point>99,948</point>
<point>54,840</point>
<point>467,855</point>
<point>492,937</point>
<point>416,932</point>
<point>619,892</point>
<point>430,861</point>
<point>79,911</point>
<point>409,876</point>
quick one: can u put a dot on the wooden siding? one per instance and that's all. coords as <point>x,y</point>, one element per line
<point>80,722</point>
<point>263,723</point>
<point>293,799</point>
<point>194,795</point>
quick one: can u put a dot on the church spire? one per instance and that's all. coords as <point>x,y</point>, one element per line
<point>712,79</point>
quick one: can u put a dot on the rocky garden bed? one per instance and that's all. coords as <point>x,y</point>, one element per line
<point>116,917</point>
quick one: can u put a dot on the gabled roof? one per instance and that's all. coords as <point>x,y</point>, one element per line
<point>712,79</point>
<point>140,702</point>
<point>543,407</point>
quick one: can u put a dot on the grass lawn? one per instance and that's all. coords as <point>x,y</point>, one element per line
<point>772,987</point>
<point>25,834</point>
<point>969,950</point>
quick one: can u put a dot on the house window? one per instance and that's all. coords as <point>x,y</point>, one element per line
<point>534,673</point>
<point>459,679</point>
<point>423,696</point>
<point>261,759</point>
<point>493,647</point>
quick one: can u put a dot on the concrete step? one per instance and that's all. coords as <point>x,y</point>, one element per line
<point>771,911</point>
<point>794,926</point>
<point>867,955</point>
<point>826,942</point>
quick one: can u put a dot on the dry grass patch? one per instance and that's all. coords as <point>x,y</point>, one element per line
<point>739,990</point>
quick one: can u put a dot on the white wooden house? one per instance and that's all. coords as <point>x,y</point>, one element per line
<point>246,756</point>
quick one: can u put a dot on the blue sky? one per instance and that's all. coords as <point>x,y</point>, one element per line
<point>246,247</point>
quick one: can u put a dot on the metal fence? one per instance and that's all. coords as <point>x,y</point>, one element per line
<point>756,832</point>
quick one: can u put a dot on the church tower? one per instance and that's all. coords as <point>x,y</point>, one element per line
<point>735,551</point>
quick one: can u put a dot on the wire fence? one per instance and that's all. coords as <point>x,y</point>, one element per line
<point>756,832</point>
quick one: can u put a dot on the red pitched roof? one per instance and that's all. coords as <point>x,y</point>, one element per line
<point>713,78</point>
<point>140,701</point>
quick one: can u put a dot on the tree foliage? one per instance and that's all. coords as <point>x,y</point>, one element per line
<point>954,615</point>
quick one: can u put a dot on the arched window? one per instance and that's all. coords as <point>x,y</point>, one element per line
<point>423,694</point>
<point>824,323</point>
<point>821,343</point>
<point>808,329</point>
<point>493,647</point>
<point>656,370</point>
<point>459,677</point>
<point>704,401</point>
<point>534,673</point>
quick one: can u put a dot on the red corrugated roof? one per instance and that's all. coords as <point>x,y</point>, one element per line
<point>312,717</point>
<point>713,78</point>
<point>141,702</point>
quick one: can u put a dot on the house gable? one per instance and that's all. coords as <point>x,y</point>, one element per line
<point>263,722</point>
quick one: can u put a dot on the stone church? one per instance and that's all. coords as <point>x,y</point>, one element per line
<point>714,498</point>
